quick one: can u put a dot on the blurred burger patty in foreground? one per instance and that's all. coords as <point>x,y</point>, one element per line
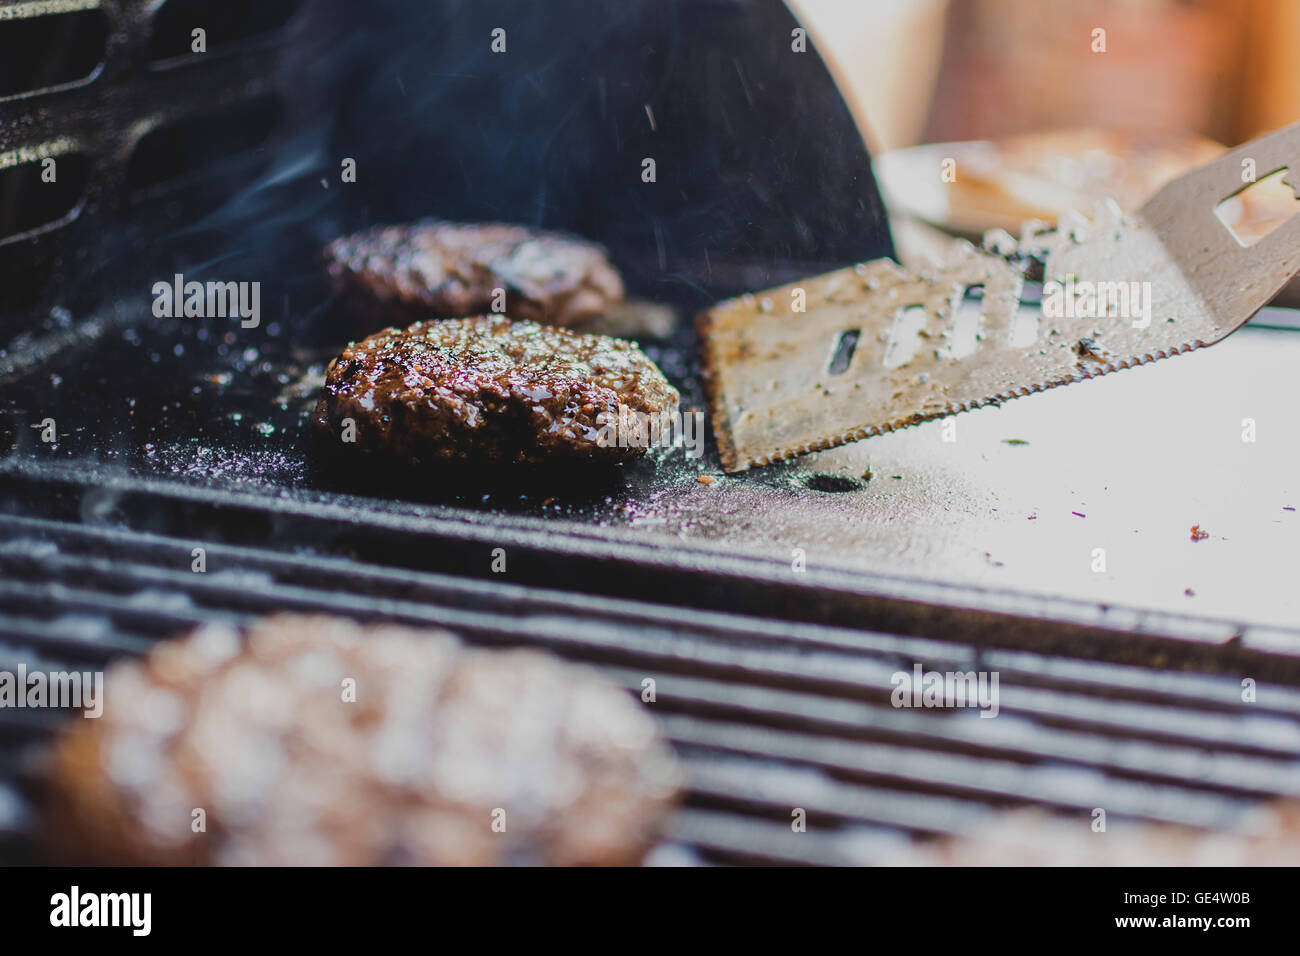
<point>318,741</point>
<point>1270,836</point>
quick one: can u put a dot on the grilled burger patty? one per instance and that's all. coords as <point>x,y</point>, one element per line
<point>486,389</point>
<point>317,741</point>
<point>393,275</point>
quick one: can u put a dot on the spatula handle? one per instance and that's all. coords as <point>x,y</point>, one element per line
<point>1184,214</point>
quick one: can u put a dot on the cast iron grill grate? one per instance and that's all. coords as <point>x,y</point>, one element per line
<point>769,713</point>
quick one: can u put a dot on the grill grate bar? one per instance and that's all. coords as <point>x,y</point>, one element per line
<point>761,788</point>
<point>73,638</point>
<point>735,838</point>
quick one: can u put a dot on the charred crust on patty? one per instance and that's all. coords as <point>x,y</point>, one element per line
<point>486,390</point>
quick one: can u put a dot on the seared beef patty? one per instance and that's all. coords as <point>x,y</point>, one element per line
<point>486,389</point>
<point>313,740</point>
<point>393,275</point>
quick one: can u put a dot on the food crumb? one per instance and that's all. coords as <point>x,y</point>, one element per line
<point>705,479</point>
<point>1089,349</point>
<point>1198,534</point>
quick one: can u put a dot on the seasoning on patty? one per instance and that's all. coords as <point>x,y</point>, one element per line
<point>489,390</point>
<point>393,275</point>
<point>317,741</point>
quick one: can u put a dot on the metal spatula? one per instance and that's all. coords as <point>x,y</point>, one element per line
<point>868,349</point>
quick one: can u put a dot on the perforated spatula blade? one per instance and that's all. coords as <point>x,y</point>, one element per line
<point>875,347</point>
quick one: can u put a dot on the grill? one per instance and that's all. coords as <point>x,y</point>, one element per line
<point>773,685</point>
<point>778,708</point>
<point>145,136</point>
